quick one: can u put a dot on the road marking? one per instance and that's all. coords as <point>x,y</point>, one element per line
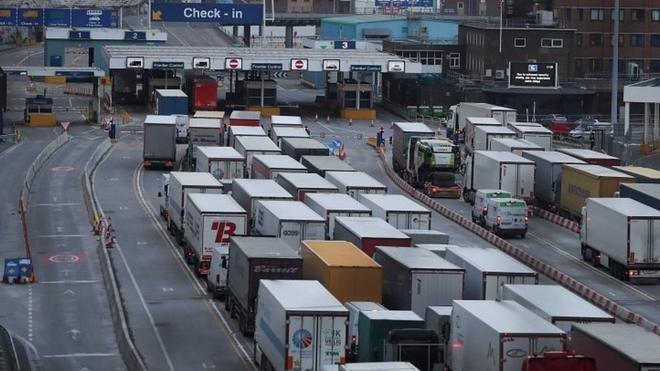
<point>168,289</point>
<point>566,254</point>
<point>57,204</point>
<point>74,333</point>
<point>67,281</point>
<point>28,56</point>
<point>62,235</point>
<point>10,149</point>
<point>79,355</point>
<point>69,292</point>
<point>236,344</point>
<point>64,258</point>
<point>30,314</point>
<point>118,248</point>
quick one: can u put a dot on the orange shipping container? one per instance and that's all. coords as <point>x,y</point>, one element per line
<point>345,270</point>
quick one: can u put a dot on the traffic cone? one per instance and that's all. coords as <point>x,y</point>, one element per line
<point>350,122</point>
<point>316,117</point>
<point>372,123</point>
<point>327,119</point>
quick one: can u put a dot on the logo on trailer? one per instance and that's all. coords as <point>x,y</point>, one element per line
<point>224,231</point>
<point>233,63</point>
<point>302,339</point>
<point>299,64</point>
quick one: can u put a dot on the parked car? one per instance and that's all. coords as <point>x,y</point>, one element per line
<point>552,118</point>
<point>585,127</point>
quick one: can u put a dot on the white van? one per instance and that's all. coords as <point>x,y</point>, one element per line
<point>506,216</point>
<point>481,198</point>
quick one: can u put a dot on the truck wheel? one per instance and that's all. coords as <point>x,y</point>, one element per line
<point>228,303</point>
<point>233,311</point>
<point>466,196</point>
<point>583,251</point>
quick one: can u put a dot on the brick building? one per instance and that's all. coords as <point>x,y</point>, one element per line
<point>639,37</point>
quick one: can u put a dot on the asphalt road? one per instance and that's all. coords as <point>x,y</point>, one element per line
<point>23,56</point>
<point>175,324</point>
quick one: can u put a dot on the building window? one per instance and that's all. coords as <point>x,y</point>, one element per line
<point>595,39</point>
<point>579,39</point>
<point>454,60</point>
<point>580,14</point>
<point>655,15</point>
<point>622,15</point>
<point>595,65</point>
<point>637,14</point>
<point>597,14</point>
<point>637,40</point>
<point>655,40</point>
<point>654,65</point>
<point>567,14</point>
<point>552,43</point>
<point>520,42</point>
<point>579,64</point>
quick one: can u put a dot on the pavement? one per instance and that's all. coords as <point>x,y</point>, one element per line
<point>174,323</point>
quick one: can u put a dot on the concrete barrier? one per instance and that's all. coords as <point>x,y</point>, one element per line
<point>551,272</point>
<point>127,349</point>
<point>556,219</point>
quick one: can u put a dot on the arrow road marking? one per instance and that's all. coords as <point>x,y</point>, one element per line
<point>69,292</point>
<point>74,333</point>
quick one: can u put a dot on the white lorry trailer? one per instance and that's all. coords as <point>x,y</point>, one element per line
<point>514,145</point>
<point>248,191</point>
<point>398,210</point>
<point>332,205</point>
<point>292,221</point>
<point>535,134</point>
<point>483,136</point>
<point>547,176</point>
<point>180,185</point>
<point>268,166</point>
<point>243,131</point>
<point>159,148</point>
<point>224,163</point>
<point>471,123</point>
<point>562,310</point>
<point>302,184</point>
<point>301,332</point>
<point>488,335</point>
<point>486,269</point>
<point>414,278</point>
<point>499,170</point>
<point>622,235</point>
<point>211,220</point>
<point>279,133</point>
<point>458,114</point>
<point>355,183</point>
<point>249,146</point>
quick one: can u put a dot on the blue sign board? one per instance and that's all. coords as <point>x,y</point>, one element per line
<point>11,269</point>
<point>402,4</point>
<point>225,14</point>
<point>30,17</point>
<point>135,35</point>
<point>57,17</point>
<point>74,73</point>
<point>92,18</point>
<point>79,35</point>
<point>7,17</point>
<point>25,267</point>
<point>347,44</point>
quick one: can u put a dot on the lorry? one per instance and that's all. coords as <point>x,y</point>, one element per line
<point>323,164</point>
<point>298,147</point>
<point>373,327</point>
<point>514,145</point>
<point>621,346</point>
<point>211,220</point>
<point>483,135</point>
<point>203,93</point>
<point>559,361</point>
<point>182,125</point>
<point>486,269</point>
<point>204,132</point>
<point>643,174</point>
<point>424,160</point>
<point>301,184</point>
<point>579,182</point>
<point>368,232</point>
<point>285,121</point>
<point>648,194</point>
<point>398,210</point>
<point>180,185</point>
<point>292,221</point>
<point>622,235</point>
<point>591,157</point>
<point>243,131</point>
<point>499,170</point>
<point>548,175</point>
<point>355,183</point>
<point>250,146</point>
<point>345,270</point>
<point>280,132</point>
<point>471,123</point>
<point>170,102</point>
<point>254,259</point>
<point>159,148</point>
<point>415,278</point>
<point>438,319</point>
<point>269,166</point>
<point>535,134</point>
<point>224,163</point>
<point>248,191</point>
<point>426,236</point>
<point>488,335</point>
<point>564,310</point>
<point>354,309</point>
<point>457,115</point>
<point>294,331</point>
<point>373,366</point>
<point>506,217</point>
<point>245,118</point>
<point>331,205</point>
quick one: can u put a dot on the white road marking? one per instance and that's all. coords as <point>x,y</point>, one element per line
<point>62,235</point>
<point>74,333</point>
<point>69,292</point>
<point>67,281</point>
<point>30,314</point>
<point>10,149</point>
<point>79,355</point>
<point>168,289</point>
<point>28,56</point>
<point>54,204</point>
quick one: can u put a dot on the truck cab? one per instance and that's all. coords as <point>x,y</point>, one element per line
<point>506,216</point>
<point>216,280</point>
<point>163,194</point>
<point>480,207</point>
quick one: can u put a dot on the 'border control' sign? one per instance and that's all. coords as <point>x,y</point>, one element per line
<point>533,75</point>
<point>225,14</point>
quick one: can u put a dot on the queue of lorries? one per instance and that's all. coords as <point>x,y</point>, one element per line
<point>330,272</point>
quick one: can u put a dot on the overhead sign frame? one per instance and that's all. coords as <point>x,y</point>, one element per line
<point>538,75</point>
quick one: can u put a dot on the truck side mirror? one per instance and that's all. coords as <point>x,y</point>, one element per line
<point>160,194</point>
<point>223,262</point>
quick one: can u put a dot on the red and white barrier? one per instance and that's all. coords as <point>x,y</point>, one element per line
<point>559,220</point>
<point>541,267</point>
